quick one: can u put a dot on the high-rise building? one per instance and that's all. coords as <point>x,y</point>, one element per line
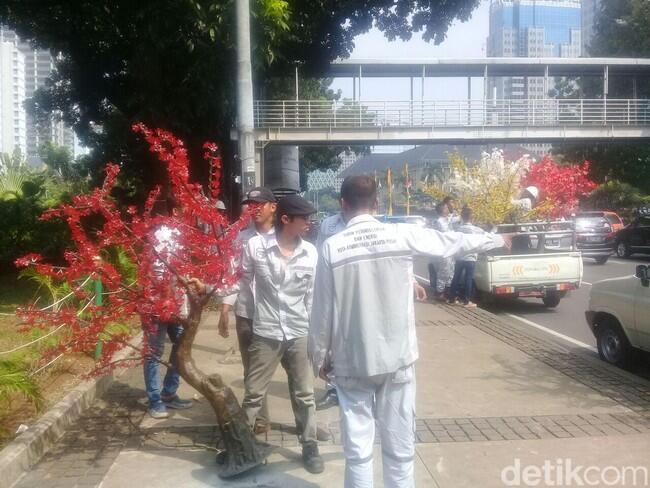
<point>590,10</point>
<point>38,64</point>
<point>533,29</point>
<point>12,97</point>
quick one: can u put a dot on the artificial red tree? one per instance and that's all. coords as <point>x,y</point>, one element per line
<point>561,187</point>
<point>205,250</point>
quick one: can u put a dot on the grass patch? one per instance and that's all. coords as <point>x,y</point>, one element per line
<point>24,392</point>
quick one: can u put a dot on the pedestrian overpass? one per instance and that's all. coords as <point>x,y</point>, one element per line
<point>479,120</point>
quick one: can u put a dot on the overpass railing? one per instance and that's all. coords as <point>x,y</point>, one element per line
<point>323,114</point>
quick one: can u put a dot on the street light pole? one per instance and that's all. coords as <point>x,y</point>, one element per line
<point>245,124</point>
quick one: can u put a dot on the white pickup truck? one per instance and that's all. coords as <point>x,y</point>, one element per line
<point>543,263</point>
<point>618,316</point>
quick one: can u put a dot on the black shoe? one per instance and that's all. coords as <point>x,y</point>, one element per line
<point>330,399</point>
<point>311,458</point>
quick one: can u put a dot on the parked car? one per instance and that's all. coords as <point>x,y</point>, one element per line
<point>635,237</point>
<point>618,316</point>
<point>596,234</point>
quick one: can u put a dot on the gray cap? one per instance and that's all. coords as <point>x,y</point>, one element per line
<point>259,194</point>
<point>294,205</point>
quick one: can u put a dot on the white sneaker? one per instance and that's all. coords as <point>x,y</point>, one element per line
<point>159,412</point>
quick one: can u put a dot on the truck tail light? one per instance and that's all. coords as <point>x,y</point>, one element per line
<point>565,286</point>
<point>504,290</point>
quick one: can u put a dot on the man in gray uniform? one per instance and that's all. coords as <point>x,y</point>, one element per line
<point>243,301</point>
<point>363,329</point>
<point>330,226</point>
<point>281,269</point>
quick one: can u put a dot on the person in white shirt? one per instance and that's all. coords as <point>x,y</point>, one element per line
<point>282,268</point>
<point>243,301</point>
<point>443,268</point>
<point>162,396</point>
<point>330,226</point>
<point>462,284</point>
<point>363,329</point>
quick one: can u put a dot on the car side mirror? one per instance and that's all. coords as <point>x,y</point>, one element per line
<point>642,273</point>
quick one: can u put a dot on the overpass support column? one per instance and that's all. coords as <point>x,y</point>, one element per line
<point>281,167</point>
<point>422,87</point>
<point>485,94</point>
<point>297,86</point>
<point>605,93</point>
<point>411,104</point>
<point>469,100</point>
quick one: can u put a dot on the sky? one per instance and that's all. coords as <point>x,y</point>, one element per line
<point>464,40</point>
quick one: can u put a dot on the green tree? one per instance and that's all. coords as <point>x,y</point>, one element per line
<point>616,196</point>
<point>329,203</point>
<point>14,172</point>
<point>172,63</point>
<point>622,30</point>
<point>25,193</point>
<point>58,158</point>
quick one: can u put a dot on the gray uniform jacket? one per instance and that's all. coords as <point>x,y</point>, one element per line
<point>243,299</point>
<point>362,311</point>
<point>282,287</point>
<point>328,227</point>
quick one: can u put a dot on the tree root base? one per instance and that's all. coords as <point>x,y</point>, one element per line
<point>242,452</point>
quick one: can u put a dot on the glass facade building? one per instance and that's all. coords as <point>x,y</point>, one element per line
<point>534,29</point>
<point>590,12</point>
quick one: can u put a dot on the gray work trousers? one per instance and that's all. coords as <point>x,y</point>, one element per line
<point>244,328</point>
<point>264,357</point>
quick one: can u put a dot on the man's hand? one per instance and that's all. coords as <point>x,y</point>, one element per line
<point>224,321</point>
<point>507,240</point>
<point>324,372</point>
<point>198,285</point>
<point>419,291</point>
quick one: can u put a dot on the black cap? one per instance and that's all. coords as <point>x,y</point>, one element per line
<point>294,205</point>
<point>259,194</point>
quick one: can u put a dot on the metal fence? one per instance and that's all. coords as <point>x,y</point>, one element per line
<point>323,114</point>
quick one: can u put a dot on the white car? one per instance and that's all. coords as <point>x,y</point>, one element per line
<point>619,317</point>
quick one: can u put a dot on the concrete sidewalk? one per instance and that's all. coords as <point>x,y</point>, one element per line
<point>489,394</point>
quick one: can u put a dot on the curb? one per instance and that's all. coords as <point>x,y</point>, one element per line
<point>26,450</point>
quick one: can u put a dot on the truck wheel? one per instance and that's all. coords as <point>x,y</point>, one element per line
<point>602,259</point>
<point>613,345</point>
<point>551,299</point>
<point>623,249</point>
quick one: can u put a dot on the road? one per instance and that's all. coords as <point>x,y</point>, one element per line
<point>567,321</point>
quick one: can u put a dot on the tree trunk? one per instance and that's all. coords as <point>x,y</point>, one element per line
<point>241,451</point>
